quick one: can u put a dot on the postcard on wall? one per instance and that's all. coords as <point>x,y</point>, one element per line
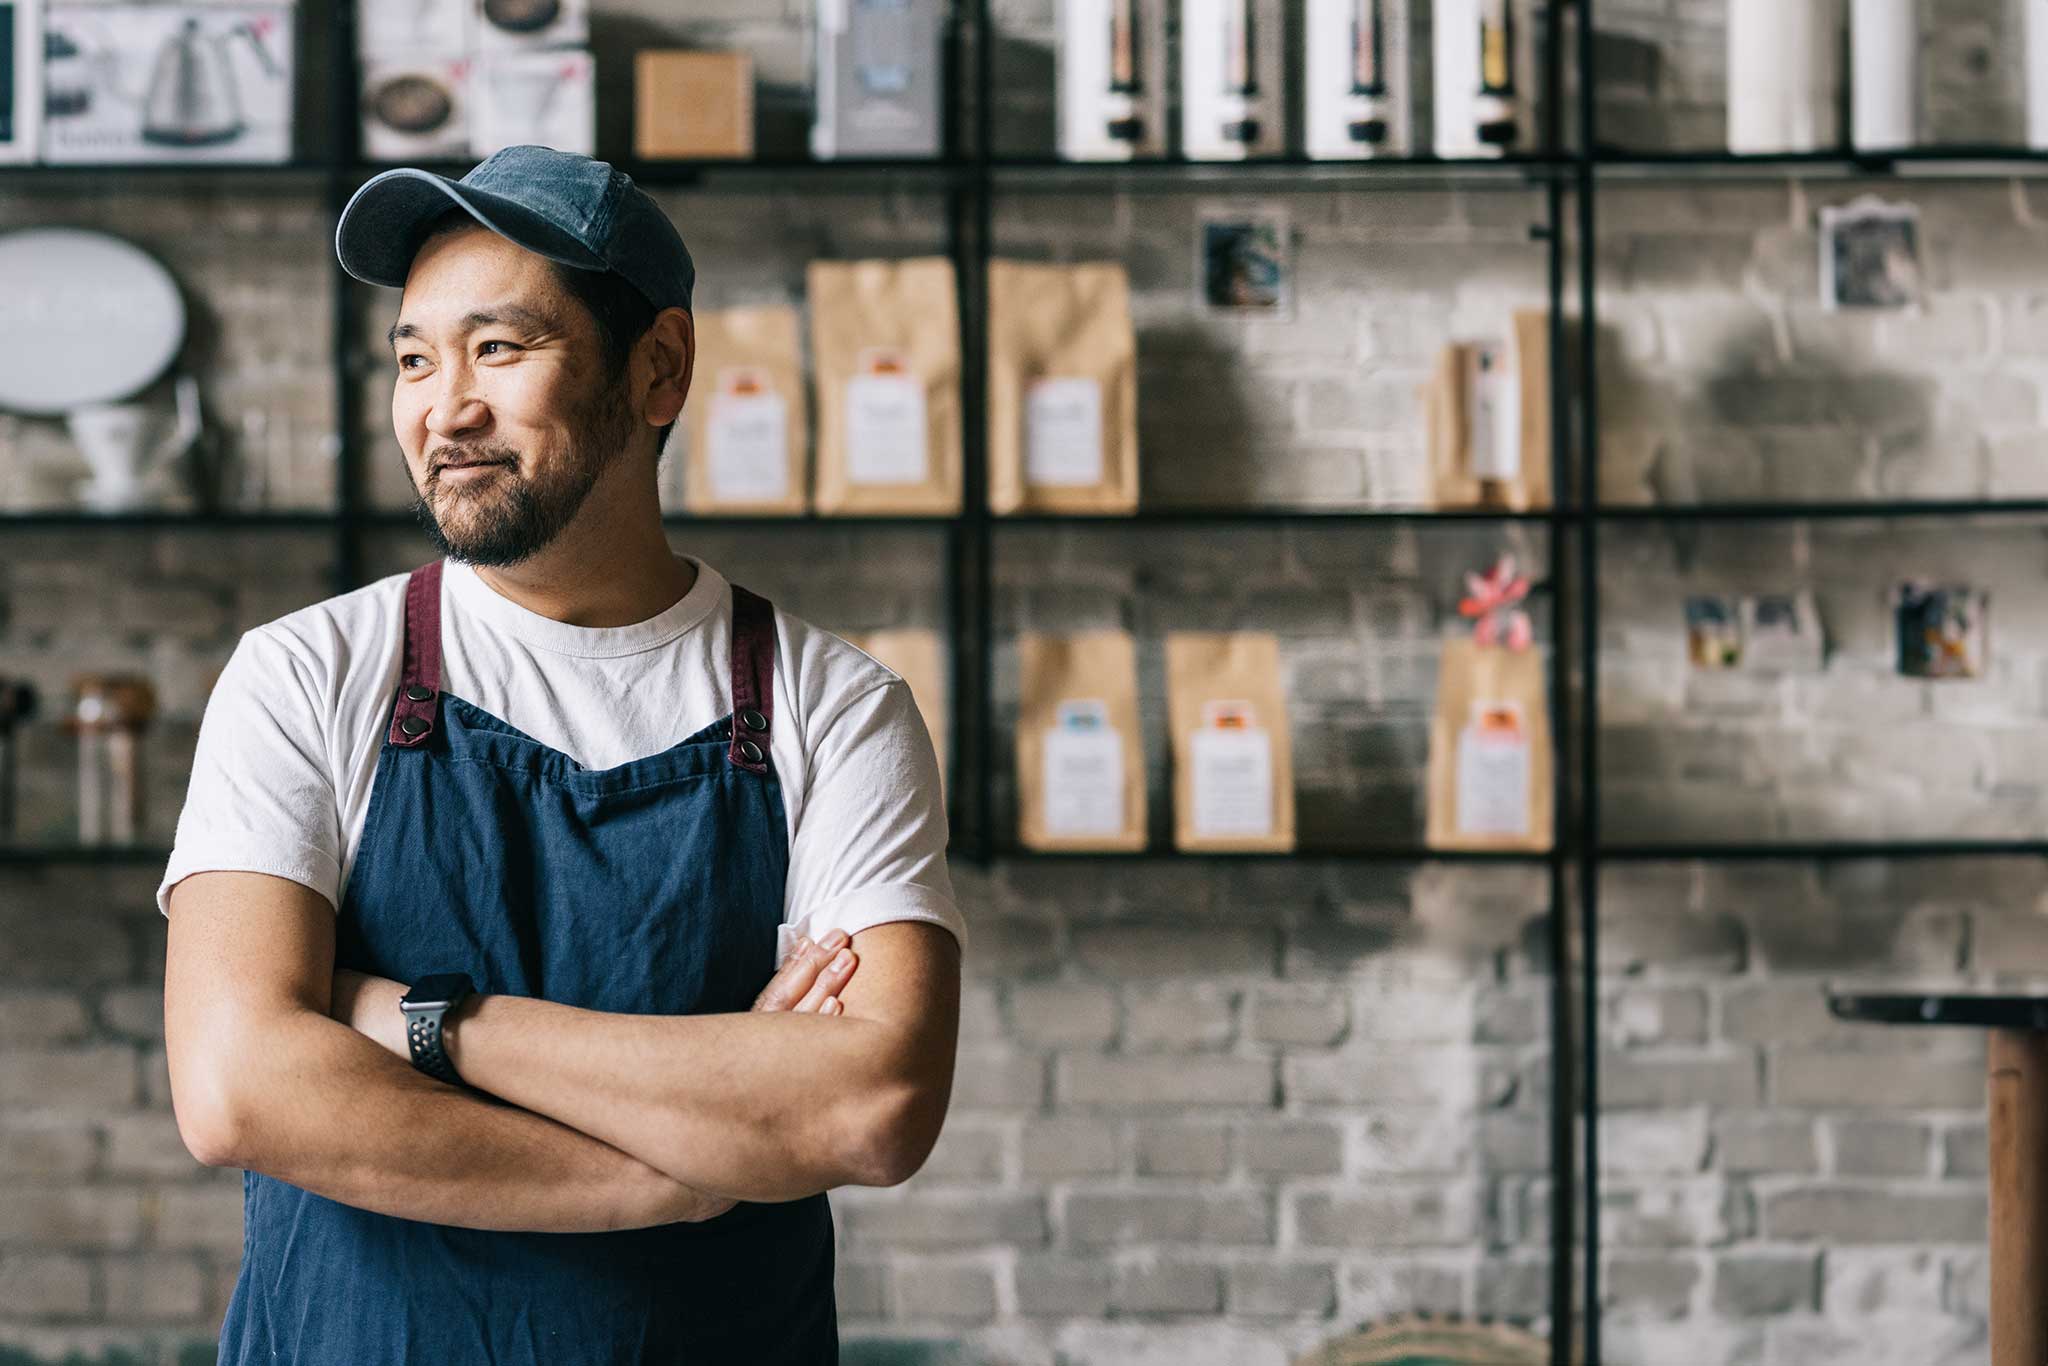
<point>1244,261</point>
<point>1713,632</point>
<point>1943,630</point>
<point>1781,631</point>
<point>1870,255</point>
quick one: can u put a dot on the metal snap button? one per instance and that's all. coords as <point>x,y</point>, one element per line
<point>750,751</point>
<point>419,692</point>
<point>753,720</point>
<point>413,725</point>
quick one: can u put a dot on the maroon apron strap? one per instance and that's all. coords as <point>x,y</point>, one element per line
<point>419,680</point>
<point>753,679</point>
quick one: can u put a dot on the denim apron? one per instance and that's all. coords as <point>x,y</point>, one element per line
<point>654,887</point>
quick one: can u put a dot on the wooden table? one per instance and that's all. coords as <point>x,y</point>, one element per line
<point>2016,1101</point>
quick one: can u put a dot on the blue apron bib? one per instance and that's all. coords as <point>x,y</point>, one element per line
<point>654,887</point>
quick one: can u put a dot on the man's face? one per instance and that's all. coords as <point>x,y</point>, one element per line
<point>501,403</point>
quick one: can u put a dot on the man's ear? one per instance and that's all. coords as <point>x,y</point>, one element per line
<point>671,350</point>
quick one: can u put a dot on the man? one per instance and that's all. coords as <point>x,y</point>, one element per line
<point>485,871</point>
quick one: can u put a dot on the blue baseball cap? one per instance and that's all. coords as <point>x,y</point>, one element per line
<point>573,209</point>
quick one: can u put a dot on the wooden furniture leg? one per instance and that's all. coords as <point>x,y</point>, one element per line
<point>2017,1079</point>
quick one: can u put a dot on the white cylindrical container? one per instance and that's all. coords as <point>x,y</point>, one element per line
<point>1784,70</point>
<point>2037,73</point>
<point>1454,45</point>
<point>1884,77</point>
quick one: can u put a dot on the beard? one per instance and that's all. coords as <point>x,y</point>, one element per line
<point>508,518</point>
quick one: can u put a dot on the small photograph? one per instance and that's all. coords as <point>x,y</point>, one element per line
<point>1943,630</point>
<point>1781,631</point>
<point>1870,255</point>
<point>1244,262</point>
<point>1713,633</point>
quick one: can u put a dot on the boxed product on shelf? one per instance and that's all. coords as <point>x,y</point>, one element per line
<point>1111,73</point>
<point>745,414</point>
<point>1233,101</point>
<point>1484,70</point>
<point>1062,388</point>
<point>1356,86</point>
<point>1080,753</point>
<point>21,73</point>
<point>544,97</point>
<point>1488,413</point>
<point>885,346</point>
<point>413,29</point>
<point>1489,750</point>
<point>416,110</point>
<point>186,82</point>
<point>879,79</point>
<point>693,105</point>
<point>1233,766</point>
<point>501,25</point>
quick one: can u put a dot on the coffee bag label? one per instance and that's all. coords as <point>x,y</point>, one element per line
<point>885,421</point>
<point>1084,771</point>
<point>1233,772</point>
<point>747,438</point>
<point>1494,771</point>
<point>1063,432</point>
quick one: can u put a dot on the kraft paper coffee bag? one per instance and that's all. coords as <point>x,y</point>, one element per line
<point>1233,767</point>
<point>747,427</point>
<point>1062,389</point>
<point>1080,755</point>
<point>917,655</point>
<point>885,345</point>
<point>1487,407</point>
<point>1489,750</point>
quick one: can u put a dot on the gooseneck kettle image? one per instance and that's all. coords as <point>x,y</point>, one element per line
<point>193,98</point>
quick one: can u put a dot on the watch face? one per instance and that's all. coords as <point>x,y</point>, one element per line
<point>437,989</point>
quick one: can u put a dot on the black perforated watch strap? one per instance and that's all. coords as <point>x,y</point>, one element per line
<point>423,1036</point>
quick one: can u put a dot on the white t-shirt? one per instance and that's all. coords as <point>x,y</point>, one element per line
<point>288,744</point>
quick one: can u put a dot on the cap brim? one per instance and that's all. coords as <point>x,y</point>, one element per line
<point>380,228</point>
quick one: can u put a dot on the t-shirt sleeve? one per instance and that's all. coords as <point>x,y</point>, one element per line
<point>870,838</point>
<point>261,797</point>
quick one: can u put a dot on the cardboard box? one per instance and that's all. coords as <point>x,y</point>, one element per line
<point>175,83</point>
<point>693,105</point>
<point>548,98</point>
<point>416,109</point>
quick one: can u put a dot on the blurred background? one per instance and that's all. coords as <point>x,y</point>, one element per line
<point>1690,352</point>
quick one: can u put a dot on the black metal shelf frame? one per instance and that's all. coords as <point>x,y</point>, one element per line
<point>971,175</point>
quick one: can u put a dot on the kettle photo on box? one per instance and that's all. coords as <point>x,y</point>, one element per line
<point>129,83</point>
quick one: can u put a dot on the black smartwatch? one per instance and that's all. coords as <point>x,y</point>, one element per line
<point>425,1004</point>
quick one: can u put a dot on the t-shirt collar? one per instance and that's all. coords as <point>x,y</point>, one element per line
<point>471,594</point>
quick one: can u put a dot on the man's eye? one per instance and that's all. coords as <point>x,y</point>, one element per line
<point>402,362</point>
<point>498,343</point>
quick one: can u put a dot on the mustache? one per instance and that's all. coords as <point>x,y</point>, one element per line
<point>451,455</point>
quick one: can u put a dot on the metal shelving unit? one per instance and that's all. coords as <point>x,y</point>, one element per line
<point>973,176</point>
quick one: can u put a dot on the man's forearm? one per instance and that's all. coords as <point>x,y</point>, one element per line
<point>754,1106</point>
<point>328,1110</point>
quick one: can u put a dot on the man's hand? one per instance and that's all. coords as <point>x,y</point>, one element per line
<point>811,979</point>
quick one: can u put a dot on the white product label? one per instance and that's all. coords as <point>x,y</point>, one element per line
<point>746,457</point>
<point>885,422</point>
<point>1084,771</point>
<point>1232,760</point>
<point>1063,432</point>
<point>1493,418</point>
<point>1493,771</point>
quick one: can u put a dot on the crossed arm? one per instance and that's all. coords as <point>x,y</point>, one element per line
<point>607,1121</point>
